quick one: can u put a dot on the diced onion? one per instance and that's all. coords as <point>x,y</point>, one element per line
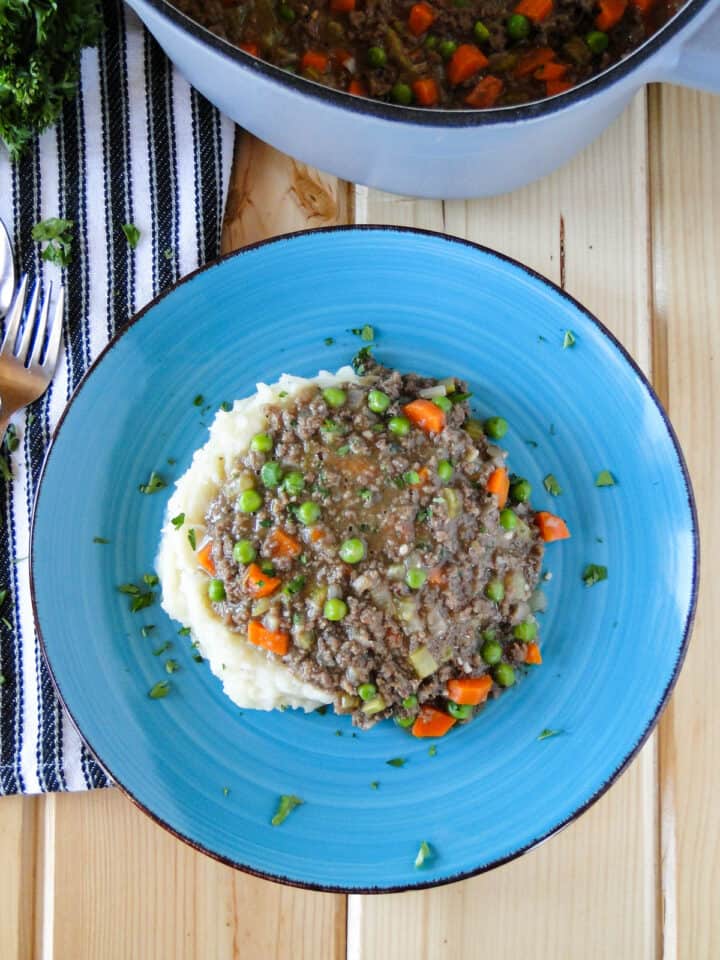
<point>516,587</point>
<point>435,622</point>
<point>373,706</point>
<point>362,583</point>
<point>453,502</point>
<point>304,639</point>
<point>396,571</point>
<point>334,591</point>
<point>260,606</point>
<point>424,664</point>
<point>440,390</point>
<point>406,608</point>
<point>538,601</point>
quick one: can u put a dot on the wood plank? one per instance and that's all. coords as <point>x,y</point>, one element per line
<point>18,875</point>
<point>685,145</point>
<point>592,891</point>
<point>122,887</point>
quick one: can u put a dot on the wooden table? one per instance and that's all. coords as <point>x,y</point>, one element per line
<point>632,228</point>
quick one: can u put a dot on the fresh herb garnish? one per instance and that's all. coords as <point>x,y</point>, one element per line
<point>57,233</point>
<point>132,234</point>
<point>329,341</point>
<point>151,579</point>
<point>226,791</point>
<point>226,406</point>
<point>12,441</point>
<point>396,762</point>
<point>5,471</point>
<point>168,253</point>
<point>365,495</point>
<point>456,398</point>
<point>178,521</point>
<point>568,339</point>
<point>547,733</point>
<point>197,657</point>
<point>154,484</point>
<point>365,333</point>
<point>424,514</point>
<point>199,400</point>
<point>294,586</point>
<point>552,486</point>
<point>3,596</point>
<point>423,853</point>
<point>605,479</point>
<point>361,360</point>
<point>282,394</point>
<point>129,588</point>
<point>184,632</point>
<point>171,461</point>
<point>338,733</point>
<point>141,601</point>
<point>191,538</point>
<point>147,630</point>
<point>332,426</point>
<point>266,523</point>
<point>100,540</point>
<point>432,750</point>
<point>287,804</point>
<point>171,666</point>
<point>322,709</point>
<point>594,573</point>
<point>375,784</point>
<point>159,690</point>
<point>342,451</point>
<point>531,443</point>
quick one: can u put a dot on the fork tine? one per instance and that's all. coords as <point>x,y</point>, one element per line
<point>40,331</point>
<point>30,324</point>
<point>12,324</point>
<point>53,349</point>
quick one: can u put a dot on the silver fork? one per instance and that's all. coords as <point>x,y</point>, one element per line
<point>27,367</point>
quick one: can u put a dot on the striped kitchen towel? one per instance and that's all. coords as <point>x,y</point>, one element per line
<point>137,146</point>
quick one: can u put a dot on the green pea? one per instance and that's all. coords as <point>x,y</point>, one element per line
<point>400,426</point>
<point>415,578</point>
<point>597,41</point>
<point>249,501</point>
<point>287,14</point>
<point>335,609</point>
<point>518,27</point>
<point>411,478</point>
<point>262,442</point>
<point>216,591</point>
<point>445,471</point>
<point>378,401</point>
<point>495,591</point>
<point>527,630</point>
<point>444,404</point>
<point>446,48</point>
<point>495,427</point>
<point>352,550</point>
<point>504,674</point>
<point>376,57</point>
<point>481,32</point>
<point>401,93</point>
<point>271,473</point>
<point>244,551</point>
<point>491,652</point>
<point>334,396</point>
<point>411,702</point>
<point>508,519</point>
<point>461,711</point>
<point>294,482</point>
<point>308,513</point>
<point>520,490</point>
<point>405,722</point>
<point>366,691</point>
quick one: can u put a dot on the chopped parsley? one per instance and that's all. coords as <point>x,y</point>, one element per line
<point>184,631</point>
<point>568,339</point>
<point>375,784</point>
<point>151,579</point>
<point>266,523</point>
<point>168,253</point>
<point>396,762</point>
<point>159,690</point>
<point>282,394</point>
<point>226,791</point>
<point>191,538</point>
<point>294,586</point>
<point>5,471</point>
<point>57,234</point>
<point>3,596</point>
<point>456,398</point>
<point>178,521</point>
<point>594,573</point>
<point>552,486</point>
<point>197,657</point>
<point>171,666</point>
<point>547,733</point>
<point>322,709</point>
<point>12,441</point>
<point>365,333</point>
<point>286,805</point>
<point>329,341</point>
<point>432,750</point>
<point>361,360</point>
<point>147,630</point>
<point>338,733</point>
<point>100,540</point>
<point>605,479</point>
<point>129,588</point>
<point>332,426</point>
<point>365,495</point>
<point>342,451</point>
<point>132,234</point>
<point>424,514</point>
<point>154,484</point>
<point>423,853</point>
<point>162,648</point>
<point>141,601</point>
<point>531,443</point>
<point>226,406</point>
<point>199,400</point>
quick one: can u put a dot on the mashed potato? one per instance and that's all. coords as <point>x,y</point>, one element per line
<point>249,677</point>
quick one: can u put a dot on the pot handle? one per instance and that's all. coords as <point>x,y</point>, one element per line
<point>697,62</point>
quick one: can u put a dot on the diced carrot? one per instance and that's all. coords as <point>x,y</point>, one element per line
<point>205,558</point>
<point>431,722</point>
<point>342,6</point>
<point>437,577</point>
<point>551,527</point>
<point>611,13</point>
<point>260,584</point>
<point>317,533</point>
<point>251,48</point>
<point>421,18</point>
<point>424,474</point>
<point>530,61</point>
<point>357,88</point>
<point>426,92</point>
<point>553,87</point>
<point>426,415</point>
<point>470,691</point>
<point>499,484</point>
<point>273,640</point>
<point>644,6</point>
<point>314,60</point>
<point>281,544</point>
<point>465,63</point>
<point>533,654</point>
<point>485,93</point>
<point>535,10</point>
<point>551,71</point>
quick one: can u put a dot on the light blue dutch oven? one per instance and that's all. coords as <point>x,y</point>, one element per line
<point>431,153</point>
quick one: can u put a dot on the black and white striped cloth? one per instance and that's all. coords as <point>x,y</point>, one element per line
<point>138,146</point>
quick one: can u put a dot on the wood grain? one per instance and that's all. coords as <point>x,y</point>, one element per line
<point>18,875</point>
<point>685,144</point>
<point>592,891</point>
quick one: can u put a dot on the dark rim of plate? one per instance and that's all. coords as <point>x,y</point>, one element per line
<point>437,117</point>
<point>557,291</point>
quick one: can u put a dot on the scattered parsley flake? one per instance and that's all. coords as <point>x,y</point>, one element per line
<point>6,623</point>
<point>329,341</point>
<point>423,853</point>
<point>568,339</point>
<point>361,360</point>
<point>375,784</point>
<point>141,601</point>
<point>226,791</point>
<point>605,479</point>
<point>199,400</point>
<point>432,750</point>
<point>12,441</point>
<point>338,733</point>
<point>57,233</point>
<point>367,333</point>
<point>197,657</point>
<point>594,573</point>
<point>266,523</point>
<point>30,419</point>
<point>547,733</point>
<point>286,805</point>
<point>171,461</point>
<point>3,596</point>
<point>129,588</point>
<point>531,443</point>
<point>552,486</point>
<point>178,521</point>
<point>171,666</point>
<point>5,471</point>
<point>365,495</point>
<point>342,451</point>
<point>151,579</point>
<point>322,709</point>
<point>159,690</point>
<point>100,540</point>
<point>154,484</point>
<point>424,514</point>
<point>132,234</point>
<point>282,394</point>
<point>294,586</point>
<point>147,630</point>
<point>226,406</point>
<point>191,538</point>
<point>168,253</point>
<point>184,631</point>
<point>2,679</point>
<point>396,762</point>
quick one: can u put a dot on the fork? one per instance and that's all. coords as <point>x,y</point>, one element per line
<point>27,367</point>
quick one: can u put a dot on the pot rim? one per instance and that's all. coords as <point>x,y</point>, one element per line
<point>431,117</point>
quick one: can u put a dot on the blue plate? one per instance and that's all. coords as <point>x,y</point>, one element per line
<point>213,774</point>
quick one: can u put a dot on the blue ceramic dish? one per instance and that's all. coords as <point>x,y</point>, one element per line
<point>212,774</point>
